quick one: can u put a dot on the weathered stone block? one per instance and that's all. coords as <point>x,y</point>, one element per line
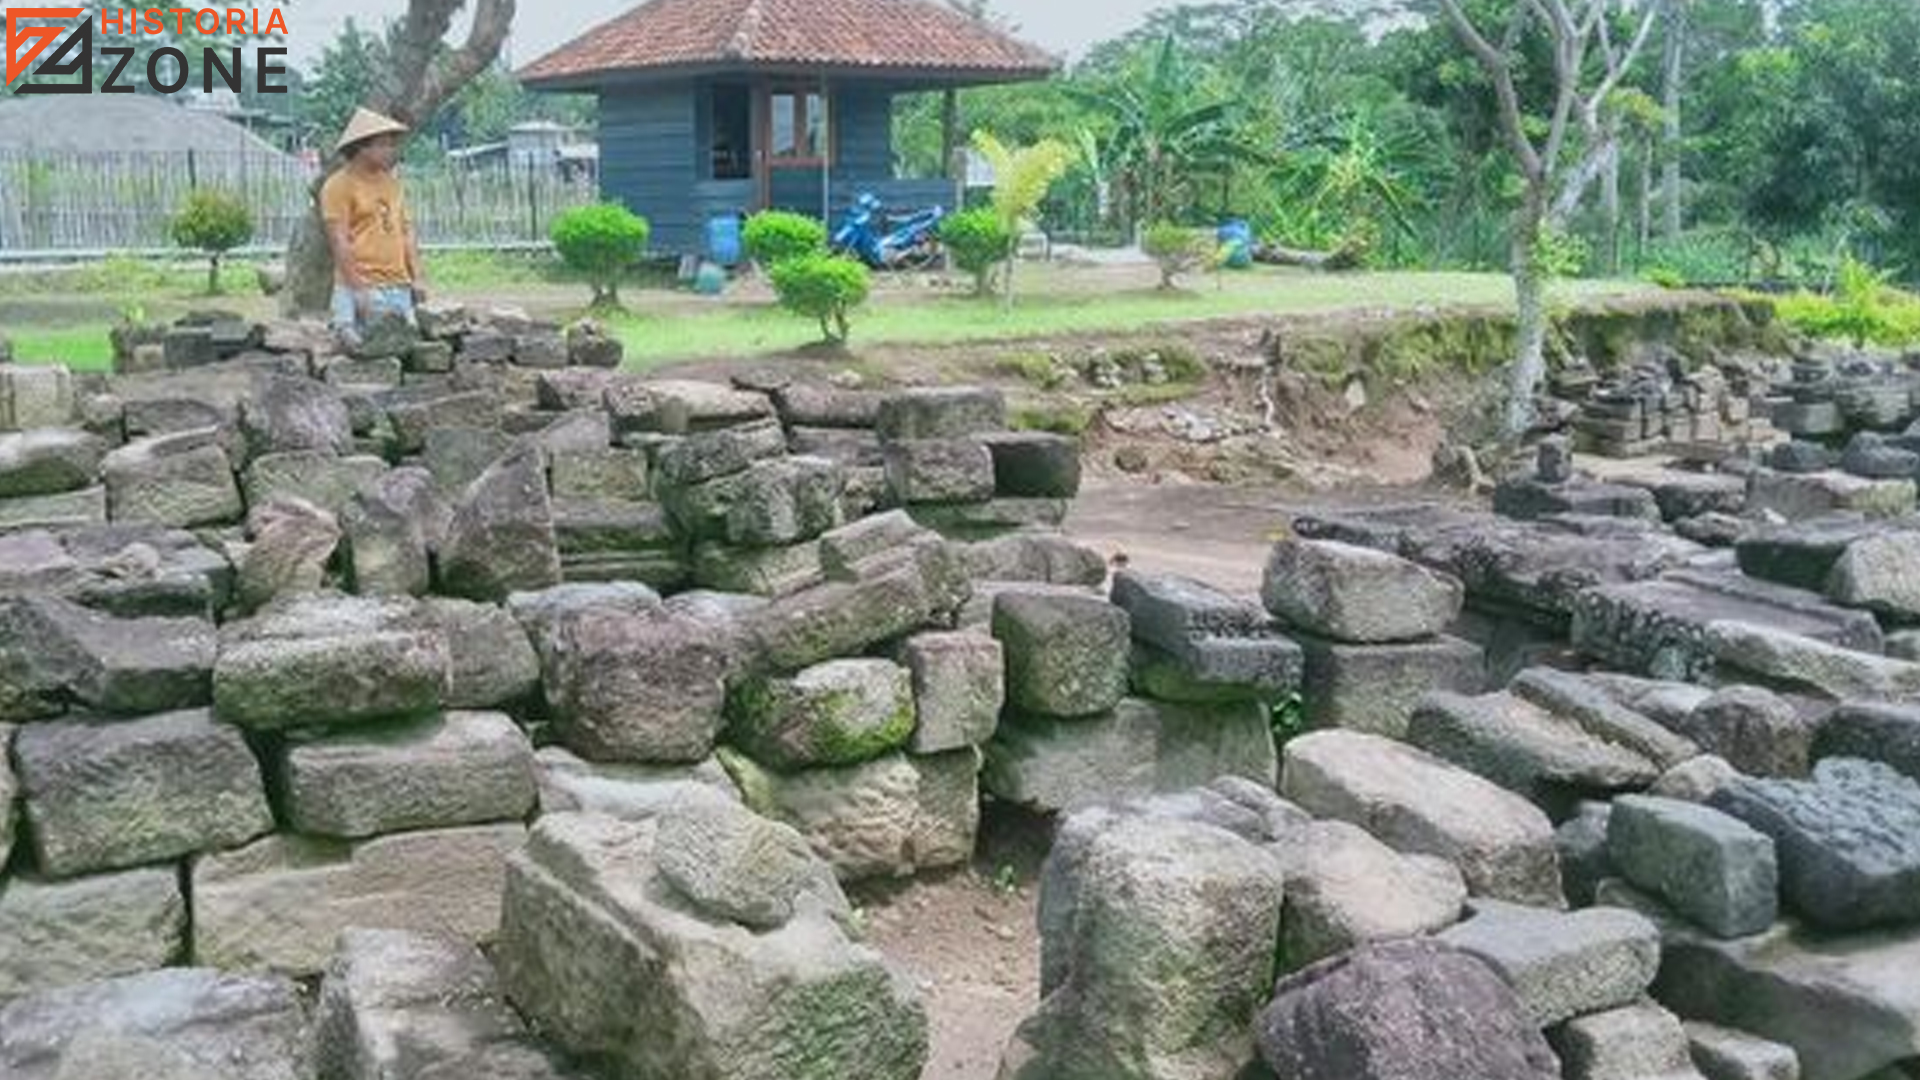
<point>57,934</point>
<point>1066,656</point>
<point>1375,688</point>
<point>1712,868</point>
<point>103,796</point>
<point>842,712</point>
<point>959,686</point>
<point>584,906</point>
<point>1140,748</point>
<point>1416,803</point>
<point>280,904</point>
<point>458,769</point>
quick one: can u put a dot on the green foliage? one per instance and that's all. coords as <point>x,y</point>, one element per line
<point>1179,251</point>
<point>979,241</point>
<point>772,237</point>
<point>1038,369</point>
<point>216,223</point>
<point>1863,309</point>
<point>1560,254</point>
<point>1022,177</point>
<point>601,243</point>
<point>1061,418</point>
<point>823,287</point>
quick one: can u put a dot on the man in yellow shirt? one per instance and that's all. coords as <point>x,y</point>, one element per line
<point>376,257</point>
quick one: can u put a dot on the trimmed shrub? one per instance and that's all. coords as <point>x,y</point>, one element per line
<point>776,236</point>
<point>824,287</point>
<point>216,223</point>
<point>1179,250</point>
<point>979,241</point>
<point>601,243</point>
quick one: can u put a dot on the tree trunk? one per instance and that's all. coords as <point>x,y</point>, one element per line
<point>213,276</point>
<point>1610,200</point>
<point>1675,75</point>
<point>1530,297</point>
<point>419,80</point>
<point>1646,199</point>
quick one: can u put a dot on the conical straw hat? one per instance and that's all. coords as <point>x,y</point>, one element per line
<point>367,124</point>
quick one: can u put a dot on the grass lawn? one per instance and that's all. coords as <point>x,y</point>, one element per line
<point>1054,304</point>
<point>64,316</point>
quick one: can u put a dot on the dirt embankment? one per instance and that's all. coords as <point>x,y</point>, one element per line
<point>1321,402</point>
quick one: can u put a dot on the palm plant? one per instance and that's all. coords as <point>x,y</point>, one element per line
<point>1166,133</point>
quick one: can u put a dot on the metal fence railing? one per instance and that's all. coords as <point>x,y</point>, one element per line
<point>53,202</point>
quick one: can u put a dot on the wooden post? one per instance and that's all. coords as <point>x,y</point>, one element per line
<point>950,145</point>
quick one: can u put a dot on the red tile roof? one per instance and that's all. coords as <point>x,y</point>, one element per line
<point>885,36</point>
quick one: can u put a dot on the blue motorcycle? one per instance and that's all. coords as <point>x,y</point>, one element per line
<point>911,242</point>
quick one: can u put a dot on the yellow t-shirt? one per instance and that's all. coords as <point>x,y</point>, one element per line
<point>374,210</point>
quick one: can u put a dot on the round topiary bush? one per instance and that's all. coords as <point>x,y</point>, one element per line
<point>824,287</point>
<point>216,223</point>
<point>776,236</point>
<point>979,241</point>
<point>1179,250</point>
<point>601,243</point>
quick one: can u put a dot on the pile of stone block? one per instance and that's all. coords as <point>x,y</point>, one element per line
<point>1660,405</point>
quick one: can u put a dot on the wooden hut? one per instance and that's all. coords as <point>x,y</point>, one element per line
<point>717,107</point>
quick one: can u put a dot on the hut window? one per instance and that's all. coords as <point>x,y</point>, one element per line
<point>799,126</point>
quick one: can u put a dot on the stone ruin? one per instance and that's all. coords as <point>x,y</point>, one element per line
<point>526,721</point>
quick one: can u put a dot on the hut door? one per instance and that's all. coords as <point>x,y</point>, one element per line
<point>797,142</point>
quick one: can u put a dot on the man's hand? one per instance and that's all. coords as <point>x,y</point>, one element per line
<point>419,292</point>
<point>363,305</point>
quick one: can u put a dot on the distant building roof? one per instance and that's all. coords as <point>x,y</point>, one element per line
<point>664,38</point>
<point>106,123</point>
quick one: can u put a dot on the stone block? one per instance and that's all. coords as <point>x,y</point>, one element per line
<point>105,796</point>
<point>281,903</point>
<point>59,934</point>
<point>1356,594</point>
<point>890,817</point>
<point>842,712</point>
<point>1710,867</point>
<point>1066,657</point>
<point>1561,964</point>
<point>1374,688</point>
<point>959,686</point>
<point>1140,748</point>
<point>464,768</point>
<point>1416,803</point>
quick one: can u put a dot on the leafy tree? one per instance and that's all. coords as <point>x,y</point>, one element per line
<point>980,242</point>
<point>216,223</point>
<point>602,243</point>
<point>824,287</point>
<point>1167,131</point>
<point>341,81</point>
<point>772,237</point>
<point>1021,178</point>
<point>1540,148</point>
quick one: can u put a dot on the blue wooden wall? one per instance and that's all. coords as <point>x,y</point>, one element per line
<point>648,158</point>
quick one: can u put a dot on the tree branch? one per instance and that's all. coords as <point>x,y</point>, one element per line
<point>1500,71</point>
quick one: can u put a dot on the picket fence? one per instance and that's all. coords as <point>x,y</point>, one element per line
<point>93,202</point>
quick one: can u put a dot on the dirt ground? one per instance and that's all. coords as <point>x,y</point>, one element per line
<point>971,942</point>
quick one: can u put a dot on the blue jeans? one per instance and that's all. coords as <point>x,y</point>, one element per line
<point>385,300</point>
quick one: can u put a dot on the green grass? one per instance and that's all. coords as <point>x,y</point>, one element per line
<point>63,317</point>
<point>733,330</point>
<point>83,348</point>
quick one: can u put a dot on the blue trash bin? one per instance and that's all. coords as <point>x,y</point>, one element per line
<point>724,245</point>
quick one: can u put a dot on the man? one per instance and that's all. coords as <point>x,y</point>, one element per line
<point>376,257</point>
